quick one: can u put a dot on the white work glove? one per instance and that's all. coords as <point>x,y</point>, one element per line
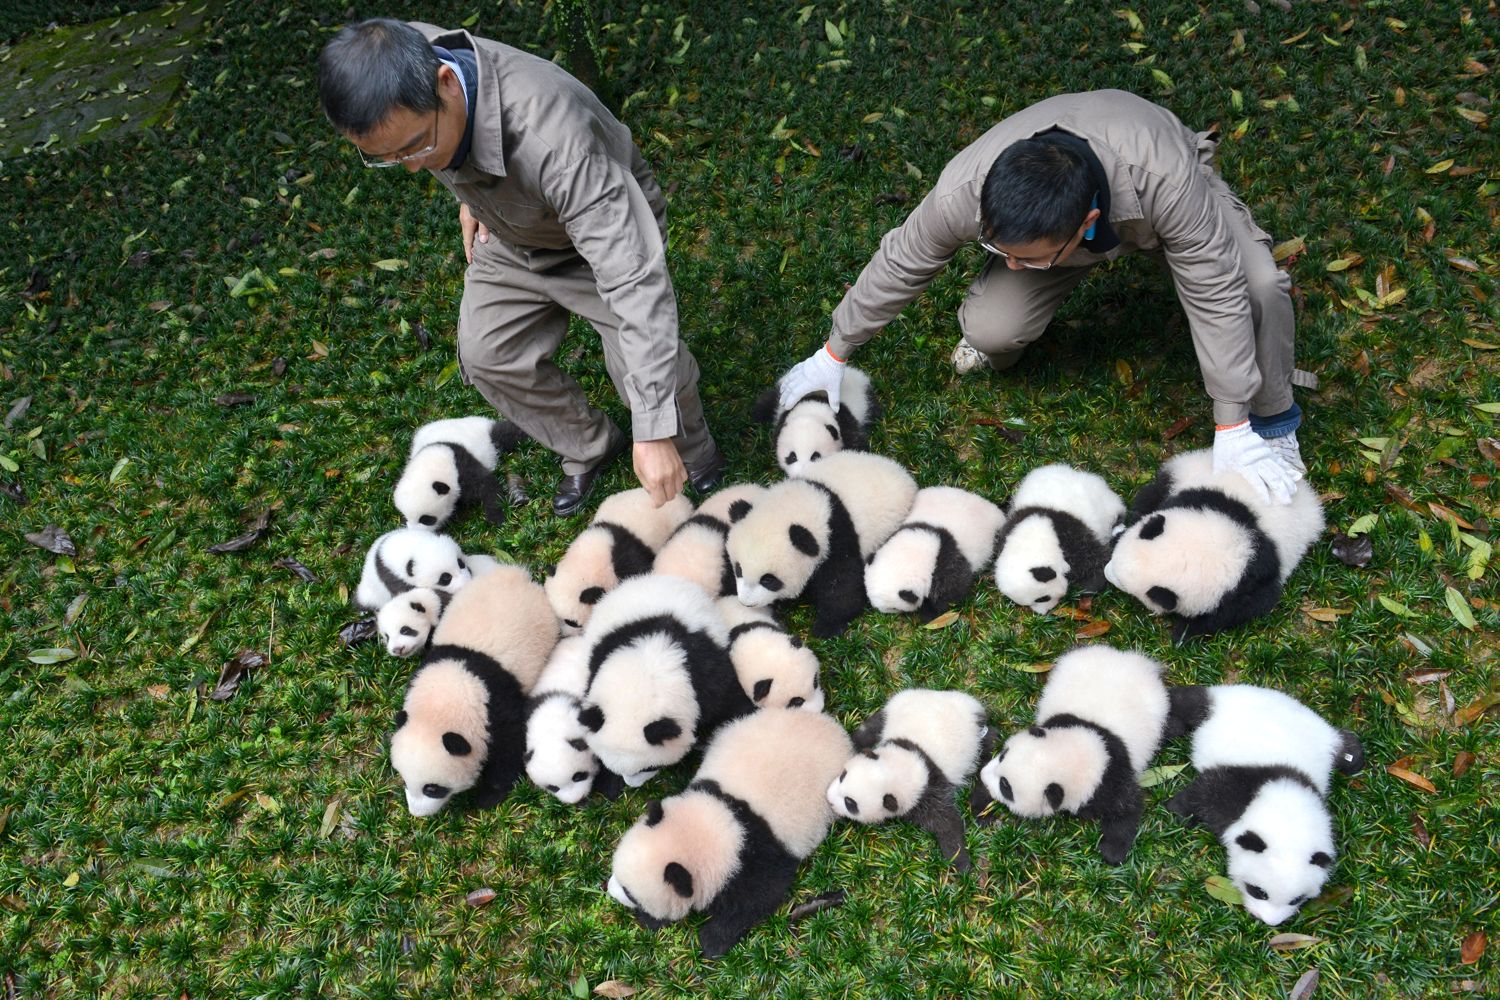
<point>1239,448</point>
<point>1286,449</point>
<point>820,372</point>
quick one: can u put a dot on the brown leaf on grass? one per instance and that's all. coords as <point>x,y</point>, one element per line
<point>1462,763</point>
<point>1472,950</point>
<point>1463,264</point>
<point>1404,498</point>
<point>1356,551</point>
<point>17,411</point>
<point>1177,428</point>
<point>1472,711</point>
<point>818,904</point>
<point>278,367</point>
<point>256,533</point>
<point>234,671</point>
<point>942,621</point>
<point>1331,899</point>
<point>1291,942</point>
<point>1490,449</point>
<point>1419,830</point>
<point>1092,630</point>
<point>423,337</point>
<point>614,989</point>
<point>1447,514</point>
<point>1426,676</point>
<point>1388,165</point>
<point>1325,614</point>
<point>1011,434</point>
<point>1411,778</point>
<point>296,567</point>
<point>1304,986</point>
<point>358,631</point>
<point>54,540</point>
<point>482,896</point>
<point>898,197</point>
<point>235,398</point>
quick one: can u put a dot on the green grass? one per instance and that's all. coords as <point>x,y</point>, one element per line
<point>155,843</point>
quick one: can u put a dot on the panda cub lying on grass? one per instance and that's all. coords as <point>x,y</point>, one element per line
<point>452,462</point>
<point>1057,535</point>
<point>809,430</point>
<point>407,558</point>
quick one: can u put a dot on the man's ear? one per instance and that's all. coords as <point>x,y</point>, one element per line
<point>450,87</point>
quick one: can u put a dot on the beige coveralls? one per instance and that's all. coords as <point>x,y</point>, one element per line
<point>1164,197</point>
<point>577,225</point>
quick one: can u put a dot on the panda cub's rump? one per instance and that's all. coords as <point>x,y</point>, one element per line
<point>1264,763</point>
<point>452,462</point>
<point>1057,534</point>
<point>696,549</point>
<point>1100,719</point>
<point>913,756</point>
<point>931,561</point>
<point>730,844</point>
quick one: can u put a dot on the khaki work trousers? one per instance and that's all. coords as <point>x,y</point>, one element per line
<point>511,322</point>
<point>1006,310</point>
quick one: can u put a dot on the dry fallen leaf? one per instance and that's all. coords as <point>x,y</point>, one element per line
<point>1412,778</point>
<point>296,567</point>
<point>1177,428</point>
<point>256,533</point>
<point>1471,712</point>
<point>1419,830</point>
<point>1304,986</point>
<point>359,631</point>
<point>234,671</point>
<point>1462,763</point>
<point>235,398</point>
<point>54,540</point>
<point>1092,630</point>
<point>1473,948</point>
<point>614,989</point>
<point>942,621</point>
<point>481,897</point>
<point>1291,942</point>
<point>1325,614</point>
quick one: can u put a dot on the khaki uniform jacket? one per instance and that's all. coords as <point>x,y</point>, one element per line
<point>557,177</point>
<point>1163,196</point>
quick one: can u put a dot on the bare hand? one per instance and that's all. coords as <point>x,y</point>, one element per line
<point>659,468</point>
<point>470,227</point>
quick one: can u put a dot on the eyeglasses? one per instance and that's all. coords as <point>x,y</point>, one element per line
<point>1030,265</point>
<point>389,160</point>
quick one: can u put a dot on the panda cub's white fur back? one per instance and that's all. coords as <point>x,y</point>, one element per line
<point>696,550</point>
<point>1057,534</point>
<point>877,492</point>
<point>620,542</point>
<point>1256,726</point>
<point>406,558</point>
<point>947,539</point>
<point>1083,494</point>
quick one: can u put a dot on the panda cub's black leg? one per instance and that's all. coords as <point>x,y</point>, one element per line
<point>936,813</point>
<point>608,784</point>
<point>982,804</point>
<point>1119,831</point>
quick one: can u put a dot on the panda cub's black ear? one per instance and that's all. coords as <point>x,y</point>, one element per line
<point>803,540</point>
<point>455,744</point>
<point>411,567</point>
<point>591,718</point>
<point>1153,527</point>
<point>661,730</point>
<point>889,802</point>
<point>1321,859</point>
<point>1163,596</point>
<point>401,718</point>
<point>680,879</point>
<point>1037,731</point>
<point>833,431</point>
<point>654,812</point>
<point>441,488</point>
<point>1251,841</point>
<point>1054,795</point>
<point>762,688</point>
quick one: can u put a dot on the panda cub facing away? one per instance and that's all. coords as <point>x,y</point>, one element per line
<point>912,757</point>
<point>407,558</point>
<point>462,724</point>
<point>696,549</point>
<point>1100,720</point>
<point>775,668</point>
<point>620,542</point>
<point>931,561</point>
<point>729,845</point>
<point>1264,763</point>
<point>1057,534</point>
<point>809,430</point>
<point>660,677</point>
<point>1204,547</point>
<point>452,462</point>
<point>558,759</point>
<point>812,535</point>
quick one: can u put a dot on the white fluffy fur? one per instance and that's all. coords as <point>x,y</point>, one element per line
<point>554,761</point>
<point>1117,689</point>
<point>1031,543</point>
<point>1034,542</point>
<point>1254,726</point>
<point>907,560</point>
<point>442,697</point>
<point>472,433</point>
<point>416,557</point>
<point>779,761</point>
<point>588,563</point>
<point>1085,495</point>
<point>503,614</point>
<point>1294,823</point>
<point>809,432</point>
<point>771,656</point>
<point>407,619</point>
<point>947,725</point>
<point>431,461</point>
<point>1175,559</point>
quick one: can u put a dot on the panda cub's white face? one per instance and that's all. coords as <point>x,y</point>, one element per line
<point>641,711</point>
<point>406,621</point>
<point>809,434</point>
<point>775,549</point>
<point>898,579</point>
<point>1031,569</point>
<point>1039,771</point>
<point>878,784</point>
<point>1180,560</point>
<point>427,492</point>
<point>1280,850</point>
<point>558,758</point>
<point>675,858</point>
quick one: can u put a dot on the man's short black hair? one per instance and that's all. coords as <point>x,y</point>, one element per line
<point>1036,189</point>
<point>372,68</point>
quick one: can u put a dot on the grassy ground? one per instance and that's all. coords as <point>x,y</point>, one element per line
<point>156,843</point>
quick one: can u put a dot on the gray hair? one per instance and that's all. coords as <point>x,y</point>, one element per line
<point>372,68</point>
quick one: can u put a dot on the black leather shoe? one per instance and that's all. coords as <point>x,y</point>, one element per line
<point>708,478</point>
<point>572,491</point>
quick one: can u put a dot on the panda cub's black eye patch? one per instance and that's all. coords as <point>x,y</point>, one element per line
<point>1154,526</point>
<point>833,432</point>
<point>815,456</point>
<point>771,581</point>
<point>591,595</point>
<point>1042,574</point>
<point>738,510</point>
<point>441,488</point>
<point>580,775</point>
<point>907,596</point>
<point>578,744</point>
<point>1256,892</point>
<point>851,805</point>
<point>407,630</point>
<point>1005,790</point>
<point>791,457</point>
<point>889,802</point>
<point>435,791</point>
<point>427,519</point>
<point>455,744</point>
<point>762,688</point>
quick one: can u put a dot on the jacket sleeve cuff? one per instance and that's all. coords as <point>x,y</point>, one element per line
<point>653,425</point>
<point>1230,413</point>
<point>840,347</point>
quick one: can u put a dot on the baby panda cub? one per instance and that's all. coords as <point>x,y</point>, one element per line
<point>1264,763</point>
<point>620,542</point>
<point>729,845</point>
<point>1203,546</point>
<point>452,462</point>
<point>462,724</point>
<point>775,668</point>
<point>809,430</point>
<point>406,558</point>
<point>558,759</point>
<point>696,549</point>
<point>1099,721</point>
<point>406,621</point>
<point>1057,534</point>
<point>913,756</point>
<point>931,561</point>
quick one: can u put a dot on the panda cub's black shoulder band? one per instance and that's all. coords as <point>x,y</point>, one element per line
<point>1206,499</point>
<point>631,632</point>
<point>757,831</point>
<point>1118,777</point>
<point>906,744</point>
<point>1188,708</point>
<point>501,683</point>
<point>744,627</point>
<point>707,521</point>
<point>630,555</point>
<point>392,583</point>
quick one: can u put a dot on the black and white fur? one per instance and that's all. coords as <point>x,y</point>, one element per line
<point>619,543</point>
<point>1264,763</point>
<point>1057,534</point>
<point>1204,546</point>
<point>696,549</point>
<point>931,561</point>
<point>812,535</point>
<point>730,844</point>
<point>452,462</point>
<point>660,678</point>
<point>462,724</point>
<point>913,756</point>
<point>558,759</point>
<point>809,430</point>
<point>775,668</point>
<point>406,558</point>
<point>406,621</point>
<point>1100,720</point>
